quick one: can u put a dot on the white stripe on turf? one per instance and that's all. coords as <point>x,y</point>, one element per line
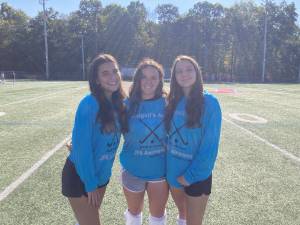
<point>284,152</point>
<point>41,97</point>
<point>10,188</point>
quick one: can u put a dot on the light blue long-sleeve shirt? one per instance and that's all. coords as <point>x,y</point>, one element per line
<point>192,152</point>
<point>144,150</point>
<point>93,151</point>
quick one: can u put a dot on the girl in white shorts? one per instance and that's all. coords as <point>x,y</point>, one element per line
<point>143,156</point>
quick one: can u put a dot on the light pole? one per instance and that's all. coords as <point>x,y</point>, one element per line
<point>265,44</point>
<point>82,56</point>
<point>45,38</point>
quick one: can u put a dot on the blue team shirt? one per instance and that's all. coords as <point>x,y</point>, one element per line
<point>144,150</point>
<point>93,151</point>
<point>192,152</point>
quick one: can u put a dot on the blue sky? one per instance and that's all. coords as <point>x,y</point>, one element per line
<point>31,7</point>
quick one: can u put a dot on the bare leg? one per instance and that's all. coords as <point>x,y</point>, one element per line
<point>158,193</point>
<point>135,201</point>
<point>85,213</point>
<point>195,209</point>
<point>180,201</point>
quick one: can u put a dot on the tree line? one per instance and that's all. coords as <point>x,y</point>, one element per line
<point>228,42</point>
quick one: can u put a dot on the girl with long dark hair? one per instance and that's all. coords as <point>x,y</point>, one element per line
<point>100,120</point>
<point>193,122</point>
<point>144,149</point>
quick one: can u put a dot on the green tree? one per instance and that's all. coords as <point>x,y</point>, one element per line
<point>13,38</point>
<point>282,64</point>
<point>167,13</point>
<point>223,40</point>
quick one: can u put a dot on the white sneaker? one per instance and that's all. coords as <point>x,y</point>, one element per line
<point>158,220</point>
<point>133,219</point>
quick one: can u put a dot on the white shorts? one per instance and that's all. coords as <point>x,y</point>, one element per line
<point>136,184</point>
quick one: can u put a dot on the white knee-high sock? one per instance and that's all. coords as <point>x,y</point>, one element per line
<point>133,219</point>
<point>158,220</point>
<point>181,221</point>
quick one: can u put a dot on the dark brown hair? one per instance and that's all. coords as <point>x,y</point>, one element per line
<point>195,99</point>
<point>106,112</point>
<point>135,92</point>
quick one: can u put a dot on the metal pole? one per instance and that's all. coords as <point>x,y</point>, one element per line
<point>265,45</point>
<point>46,40</point>
<point>96,33</point>
<point>82,55</point>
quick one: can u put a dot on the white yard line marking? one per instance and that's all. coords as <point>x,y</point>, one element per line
<point>10,188</point>
<point>40,97</point>
<point>254,118</point>
<point>284,152</point>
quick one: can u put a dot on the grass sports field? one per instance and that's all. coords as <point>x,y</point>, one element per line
<point>257,174</point>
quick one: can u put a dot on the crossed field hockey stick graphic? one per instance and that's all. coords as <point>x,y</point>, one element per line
<point>177,131</point>
<point>152,132</point>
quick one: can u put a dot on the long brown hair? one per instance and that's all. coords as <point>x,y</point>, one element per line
<point>135,92</point>
<point>195,99</point>
<point>106,112</point>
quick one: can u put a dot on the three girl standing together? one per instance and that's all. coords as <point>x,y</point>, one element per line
<point>170,142</point>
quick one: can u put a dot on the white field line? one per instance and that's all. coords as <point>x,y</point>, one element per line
<point>40,97</point>
<point>282,151</point>
<point>10,188</point>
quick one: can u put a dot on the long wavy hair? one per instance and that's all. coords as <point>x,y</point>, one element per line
<point>135,92</point>
<point>108,109</point>
<point>195,100</point>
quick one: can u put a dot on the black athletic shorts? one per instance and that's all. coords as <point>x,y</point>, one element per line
<point>72,186</point>
<point>199,188</point>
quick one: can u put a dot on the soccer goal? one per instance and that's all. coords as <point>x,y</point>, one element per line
<point>7,77</point>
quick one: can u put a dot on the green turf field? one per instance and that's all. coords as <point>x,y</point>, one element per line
<point>257,174</point>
